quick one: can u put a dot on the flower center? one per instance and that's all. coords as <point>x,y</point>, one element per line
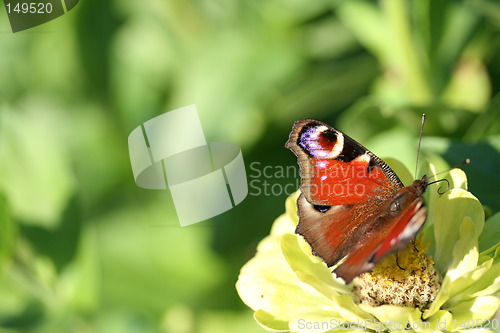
<point>406,278</point>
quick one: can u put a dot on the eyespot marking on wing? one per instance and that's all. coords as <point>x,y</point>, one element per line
<point>320,141</point>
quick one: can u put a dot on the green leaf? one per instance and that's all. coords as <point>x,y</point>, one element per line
<point>367,24</point>
<point>459,24</point>
<point>469,87</point>
<point>80,281</point>
<point>491,233</point>
<point>482,171</point>
<point>151,258</point>
<point>430,18</point>
<point>489,8</point>
<point>7,232</point>
<point>35,173</point>
<point>399,143</point>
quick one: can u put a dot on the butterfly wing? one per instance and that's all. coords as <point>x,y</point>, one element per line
<point>336,169</point>
<point>345,207</point>
<point>362,234</point>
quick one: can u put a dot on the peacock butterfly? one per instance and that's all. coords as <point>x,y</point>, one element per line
<point>353,209</point>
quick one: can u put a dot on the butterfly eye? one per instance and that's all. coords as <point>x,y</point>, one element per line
<point>395,206</point>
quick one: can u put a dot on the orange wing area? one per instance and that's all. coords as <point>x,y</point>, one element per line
<point>334,182</point>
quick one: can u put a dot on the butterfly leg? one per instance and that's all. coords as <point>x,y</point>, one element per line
<point>397,261</point>
<point>415,245</point>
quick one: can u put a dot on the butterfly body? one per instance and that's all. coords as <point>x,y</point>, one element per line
<point>353,209</point>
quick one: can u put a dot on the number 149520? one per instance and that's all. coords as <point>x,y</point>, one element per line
<point>30,7</point>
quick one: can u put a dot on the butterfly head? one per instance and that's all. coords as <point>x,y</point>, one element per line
<point>420,185</point>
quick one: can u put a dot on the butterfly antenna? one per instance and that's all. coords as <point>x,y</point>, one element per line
<point>464,162</point>
<point>419,141</point>
<point>441,180</point>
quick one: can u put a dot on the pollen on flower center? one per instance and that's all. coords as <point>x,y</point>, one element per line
<point>406,278</point>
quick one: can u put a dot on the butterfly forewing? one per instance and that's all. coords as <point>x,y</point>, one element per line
<point>335,169</point>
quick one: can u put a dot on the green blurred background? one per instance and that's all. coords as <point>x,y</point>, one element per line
<point>83,249</point>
